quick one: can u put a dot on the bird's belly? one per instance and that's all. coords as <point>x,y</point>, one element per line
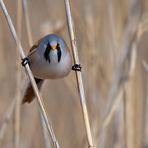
<point>45,70</point>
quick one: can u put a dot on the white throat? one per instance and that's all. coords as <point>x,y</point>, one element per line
<point>53,56</point>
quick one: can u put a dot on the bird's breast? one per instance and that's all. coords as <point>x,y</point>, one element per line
<point>45,69</point>
<point>53,57</point>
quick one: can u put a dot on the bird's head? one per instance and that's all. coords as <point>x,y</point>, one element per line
<point>54,43</point>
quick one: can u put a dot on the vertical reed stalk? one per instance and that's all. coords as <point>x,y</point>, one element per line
<point>27,21</point>
<point>18,80</point>
<point>78,74</point>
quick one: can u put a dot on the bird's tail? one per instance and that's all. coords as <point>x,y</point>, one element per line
<point>29,93</point>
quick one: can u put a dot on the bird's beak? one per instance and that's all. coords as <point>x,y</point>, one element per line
<point>53,47</point>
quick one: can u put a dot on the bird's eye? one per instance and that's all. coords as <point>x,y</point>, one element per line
<point>46,53</point>
<point>58,46</point>
<point>48,46</point>
<point>59,52</point>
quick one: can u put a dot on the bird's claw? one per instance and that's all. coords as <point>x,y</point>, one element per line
<point>76,67</point>
<point>25,61</point>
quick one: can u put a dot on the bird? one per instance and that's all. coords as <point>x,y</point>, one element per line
<point>50,58</point>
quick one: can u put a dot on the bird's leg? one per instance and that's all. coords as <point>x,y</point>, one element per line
<point>25,61</point>
<point>76,67</point>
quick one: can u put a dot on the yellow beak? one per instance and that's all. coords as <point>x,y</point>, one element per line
<point>53,46</point>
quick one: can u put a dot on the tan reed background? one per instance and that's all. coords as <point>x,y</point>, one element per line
<point>116,83</point>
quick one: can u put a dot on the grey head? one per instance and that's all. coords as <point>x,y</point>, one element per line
<point>51,44</point>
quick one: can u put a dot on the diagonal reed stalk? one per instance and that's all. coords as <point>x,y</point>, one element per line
<point>29,72</point>
<point>145,65</point>
<point>30,40</point>
<point>78,74</point>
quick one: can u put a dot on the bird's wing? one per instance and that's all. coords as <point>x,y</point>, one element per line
<point>34,48</point>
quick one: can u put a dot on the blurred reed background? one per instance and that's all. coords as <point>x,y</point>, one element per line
<point>113,49</point>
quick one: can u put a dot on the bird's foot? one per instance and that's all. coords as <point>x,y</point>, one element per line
<point>76,67</point>
<point>25,61</point>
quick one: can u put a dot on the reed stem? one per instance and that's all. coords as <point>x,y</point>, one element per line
<point>78,74</point>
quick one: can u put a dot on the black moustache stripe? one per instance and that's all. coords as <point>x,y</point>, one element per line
<point>59,52</point>
<point>46,53</point>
